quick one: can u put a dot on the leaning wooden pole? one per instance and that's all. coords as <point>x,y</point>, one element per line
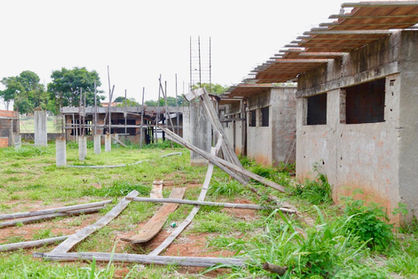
<point>144,259</point>
<point>221,163</point>
<point>31,244</point>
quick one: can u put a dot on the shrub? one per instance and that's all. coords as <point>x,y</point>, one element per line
<point>315,191</point>
<point>369,223</point>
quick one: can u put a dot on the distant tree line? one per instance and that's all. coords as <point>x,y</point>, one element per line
<point>28,94</point>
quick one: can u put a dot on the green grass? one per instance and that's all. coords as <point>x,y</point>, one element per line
<point>29,177</point>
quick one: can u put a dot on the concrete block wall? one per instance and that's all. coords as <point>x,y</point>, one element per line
<point>275,143</point>
<point>376,162</point>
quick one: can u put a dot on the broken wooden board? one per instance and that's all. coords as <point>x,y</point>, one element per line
<point>75,238</point>
<point>156,223</point>
<point>157,189</point>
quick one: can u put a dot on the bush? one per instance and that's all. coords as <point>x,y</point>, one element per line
<point>369,223</point>
<point>315,191</point>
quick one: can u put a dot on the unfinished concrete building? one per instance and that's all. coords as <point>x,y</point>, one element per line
<point>254,112</point>
<point>9,128</point>
<point>125,122</point>
<point>357,99</point>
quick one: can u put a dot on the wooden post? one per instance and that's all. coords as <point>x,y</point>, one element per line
<point>177,112</point>
<point>142,117</point>
<point>126,112</point>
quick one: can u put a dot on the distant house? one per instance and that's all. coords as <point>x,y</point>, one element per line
<point>9,127</point>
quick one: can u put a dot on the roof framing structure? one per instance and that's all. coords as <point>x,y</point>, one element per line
<point>364,23</point>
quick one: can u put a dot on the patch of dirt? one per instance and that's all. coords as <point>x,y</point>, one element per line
<point>246,214</point>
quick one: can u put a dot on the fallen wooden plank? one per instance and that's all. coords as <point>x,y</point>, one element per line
<point>143,259</point>
<point>34,219</point>
<point>221,163</point>
<point>119,141</point>
<point>156,223</point>
<point>31,244</point>
<point>52,210</point>
<point>177,231</point>
<point>75,238</point>
<point>206,203</point>
<point>157,189</point>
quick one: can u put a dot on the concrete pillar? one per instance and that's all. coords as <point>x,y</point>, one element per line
<point>200,132</point>
<point>18,142</point>
<point>116,138</point>
<point>82,147</point>
<point>108,143</point>
<point>97,144</point>
<point>61,152</point>
<point>41,136</point>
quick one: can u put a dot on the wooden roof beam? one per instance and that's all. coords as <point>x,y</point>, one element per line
<point>349,32</point>
<point>291,50</point>
<point>323,53</point>
<point>302,61</point>
<point>379,4</point>
<point>370,16</point>
<point>291,45</point>
<point>367,24</point>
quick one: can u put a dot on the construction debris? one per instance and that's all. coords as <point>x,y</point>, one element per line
<point>75,238</point>
<point>143,259</point>
<point>33,219</point>
<point>53,210</point>
<point>31,244</point>
<point>156,223</point>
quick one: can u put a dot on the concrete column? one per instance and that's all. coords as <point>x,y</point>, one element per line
<point>116,138</point>
<point>61,152</point>
<point>82,147</point>
<point>97,144</point>
<point>18,142</point>
<point>200,132</point>
<point>41,136</point>
<point>108,143</point>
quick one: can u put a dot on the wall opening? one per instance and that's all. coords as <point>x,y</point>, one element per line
<point>317,110</point>
<point>252,118</point>
<point>365,103</point>
<point>264,117</point>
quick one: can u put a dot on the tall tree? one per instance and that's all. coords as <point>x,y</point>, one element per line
<point>26,92</point>
<point>67,84</point>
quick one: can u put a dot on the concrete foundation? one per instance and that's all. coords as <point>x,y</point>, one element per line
<point>41,138</point>
<point>61,152</point>
<point>82,147</point>
<point>200,132</point>
<point>97,144</point>
<point>376,162</point>
<point>108,143</point>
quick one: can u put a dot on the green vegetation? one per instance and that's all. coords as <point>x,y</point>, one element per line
<point>353,241</point>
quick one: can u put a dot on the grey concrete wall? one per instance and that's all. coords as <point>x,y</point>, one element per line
<point>41,138</point>
<point>379,159</point>
<point>275,143</point>
<point>200,132</point>
<point>408,122</point>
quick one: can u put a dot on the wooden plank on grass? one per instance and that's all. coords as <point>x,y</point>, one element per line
<point>75,238</point>
<point>143,259</point>
<point>34,219</point>
<point>52,210</point>
<point>156,223</point>
<point>31,244</point>
<point>157,189</point>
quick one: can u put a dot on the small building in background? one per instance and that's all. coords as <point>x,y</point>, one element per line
<point>9,127</point>
<point>260,121</point>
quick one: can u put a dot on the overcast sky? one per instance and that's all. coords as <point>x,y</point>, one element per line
<point>141,39</point>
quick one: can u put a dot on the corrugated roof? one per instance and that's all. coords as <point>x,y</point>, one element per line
<point>365,23</point>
